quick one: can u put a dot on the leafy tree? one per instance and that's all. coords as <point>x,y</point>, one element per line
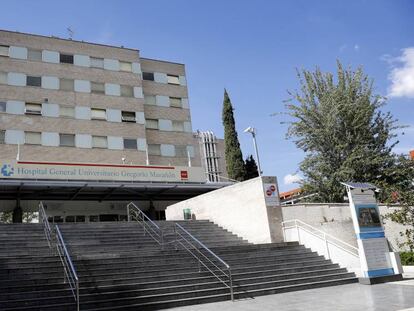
<point>339,125</point>
<point>401,193</point>
<point>234,157</point>
<point>251,168</point>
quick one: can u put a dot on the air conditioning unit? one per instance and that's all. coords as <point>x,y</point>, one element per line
<point>36,112</point>
<point>128,118</point>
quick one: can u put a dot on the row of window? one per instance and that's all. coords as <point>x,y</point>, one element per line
<point>87,61</point>
<point>63,84</point>
<point>86,113</point>
<point>102,142</point>
<point>64,58</point>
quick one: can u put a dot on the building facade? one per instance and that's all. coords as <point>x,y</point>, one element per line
<point>71,101</point>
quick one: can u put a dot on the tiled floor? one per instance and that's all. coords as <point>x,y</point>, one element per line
<point>353,297</point>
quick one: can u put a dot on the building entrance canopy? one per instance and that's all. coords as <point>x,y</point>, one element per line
<point>29,180</point>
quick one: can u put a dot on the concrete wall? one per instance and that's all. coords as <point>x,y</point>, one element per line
<point>336,220</point>
<point>239,208</point>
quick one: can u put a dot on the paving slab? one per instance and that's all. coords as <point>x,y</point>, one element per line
<point>396,296</point>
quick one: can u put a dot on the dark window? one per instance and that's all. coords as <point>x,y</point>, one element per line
<point>66,58</point>
<point>3,107</point>
<point>94,218</point>
<point>130,143</point>
<point>67,140</point>
<point>70,219</point>
<point>57,219</point>
<point>2,136</point>
<point>128,116</point>
<point>33,81</point>
<point>148,76</point>
<point>80,218</point>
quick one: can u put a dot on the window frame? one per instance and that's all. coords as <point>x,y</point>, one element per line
<point>99,146</point>
<point>128,118</point>
<point>37,135</point>
<point>99,111</point>
<point>180,123</point>
<point>94,90</point>
<point>181,151</point>
<point>96,60</point>
<point>5,47</point>
<point>31,51</point>
<point>66,115</point>
<point>151,150</point>
<point>4,79</point>
<point>2,136</point>
<point>3,104</point>
<point>172,82</point>
<point>66,58</point>
<point>32,79</point>
<point>32,111</point>
<point>130,140</point>
<point>129,93</point>
<point>146,77</point>
<point>150,121</point>
<point>123,63</point>
<point>66,135</point>
<point>63,81</point>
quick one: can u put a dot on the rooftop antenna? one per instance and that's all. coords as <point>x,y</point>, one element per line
<point>70,32</point>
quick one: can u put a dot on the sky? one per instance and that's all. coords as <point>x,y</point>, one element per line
<point>251,48</point>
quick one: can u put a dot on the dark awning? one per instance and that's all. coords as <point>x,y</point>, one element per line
<point>25,189</point>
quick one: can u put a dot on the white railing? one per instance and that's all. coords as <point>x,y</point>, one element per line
<point>70,272</point>
<point>325,244</point>
<point>45,222</point>
<point>205,257</point>
<point>150,227</point>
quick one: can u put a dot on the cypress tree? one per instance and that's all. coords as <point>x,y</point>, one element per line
<point>234,158</point>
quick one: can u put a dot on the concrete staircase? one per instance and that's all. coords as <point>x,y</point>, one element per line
<point>121,269</point>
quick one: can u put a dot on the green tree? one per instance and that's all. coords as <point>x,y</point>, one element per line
<point>251,168</point>
<point>401,193</point>
<point>234,157</point>
<point>344,134</point>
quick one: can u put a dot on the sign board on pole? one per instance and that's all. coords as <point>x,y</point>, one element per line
<point>374,252</point>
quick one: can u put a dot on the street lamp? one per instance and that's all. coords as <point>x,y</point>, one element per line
<point>252,131</point>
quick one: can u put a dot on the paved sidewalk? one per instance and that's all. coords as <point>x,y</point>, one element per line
<point>352,297</point>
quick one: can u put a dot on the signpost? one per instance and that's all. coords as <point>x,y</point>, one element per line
<point>374,253</point>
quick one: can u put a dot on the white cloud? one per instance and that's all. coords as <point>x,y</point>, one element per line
<point>402,76</point>
<point>291,179</point>
<point>356,47</point>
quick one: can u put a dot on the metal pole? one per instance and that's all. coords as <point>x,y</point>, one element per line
<point>231,285</point>
<point>327,246</point>
<point>77,295</point>
<point>257,152</point>
<point>128,216</point>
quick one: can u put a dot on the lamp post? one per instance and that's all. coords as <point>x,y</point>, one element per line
<point>252,131</point>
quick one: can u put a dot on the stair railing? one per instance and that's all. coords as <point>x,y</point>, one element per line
<point>205,257</point>
<point>46,226</point>
<point>70,272</point>
<point>327,239</point>
<point>150,227</point>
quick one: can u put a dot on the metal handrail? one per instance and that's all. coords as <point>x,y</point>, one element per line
<point>194,247</point>
<point>323,236</point>
<point>68,267</point>
<point>46,226</point>
<point>149,226</point>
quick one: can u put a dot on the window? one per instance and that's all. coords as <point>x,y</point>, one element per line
<point>94,218</point>
<point>97,62</point>
<point>3,77</point>
<point>98,114</point>
<point>154,149</point>
<point>4,50</point>
<point>178,126</point>
<point>70,219</point>
<point>151,124</point>
<point>173,79</point>
<point>66,58</point>
<point>128,116</point>
<point>33,81</point>
<point>127,91</point>
<point>67,140</point>
<point>57,219</point>
<point>148,76</point>
<point>125,66</point>
<point>67,112</point>
<point>181,151</point>
<point>35,55</point>
<point>33,138</point>
<point>130,143</point>
<point>149,99</point>
<point>97,88</point>
<point>99,142</point>
<point>32,108</point>
<point>2,136</point>
<point>3,106</point>
<point>66,84</point>
<point>80,218</point>
<point>175,102</point>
